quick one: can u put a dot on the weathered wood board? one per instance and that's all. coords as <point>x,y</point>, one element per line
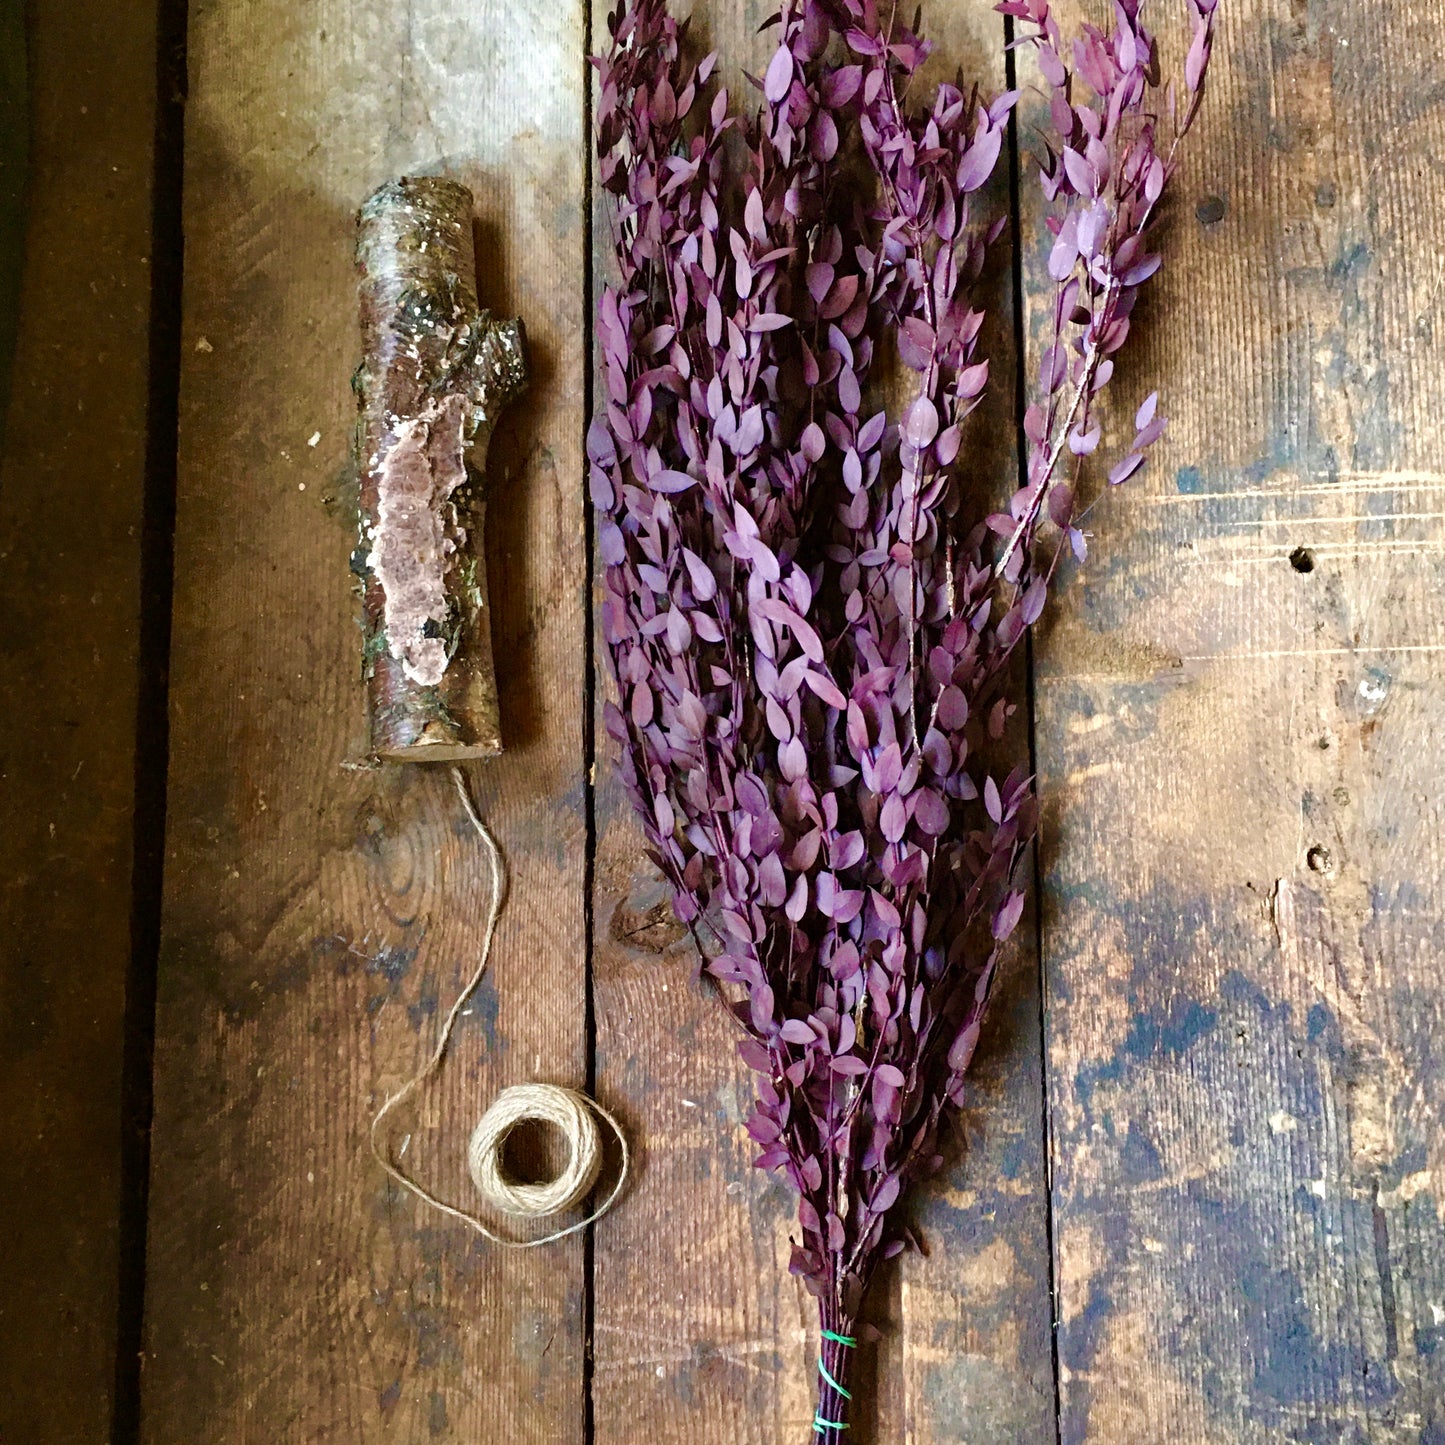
<point>1243,1085</point>
<point>1242,823</point>
<point>72,503</point>
<point>318,917</point>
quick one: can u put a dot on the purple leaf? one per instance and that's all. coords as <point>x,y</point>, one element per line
<point>779,75</point>
<point>1151,434</point>
<point>753,220</point>
<point>977,166</point>
<point>886,1196</point>
<point>960,1054</point>
<point>915,343</point>
<point>841,85</point>
<point>952,708</point>
<point>1139,273</point>
<point>972,380</point>
<point>992,805</point>
<point>893,818</point>
<point>1034,599</point>
<point>920,425</point>
<point>1008,915</point>
<point>1063,258</point>
<point>1061,504</point>
<point>642,705</point>
<point>1197,61</point>
<point>819,277</point>
<point>825,688</point>
<point>700,576</point>
<point>1082,176</point>
<point>1126,468</point>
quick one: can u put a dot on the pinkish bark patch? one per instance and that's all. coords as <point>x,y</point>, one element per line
<point>417,535</point>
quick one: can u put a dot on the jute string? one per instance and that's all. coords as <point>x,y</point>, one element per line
<point>574,1115</point>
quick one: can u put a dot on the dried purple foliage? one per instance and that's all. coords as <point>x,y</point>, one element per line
<point>807,617</point>
<point>1104,170</point>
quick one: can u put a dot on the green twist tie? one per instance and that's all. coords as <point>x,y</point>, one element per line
<point>820,1425</point>
<point>839,1389</point>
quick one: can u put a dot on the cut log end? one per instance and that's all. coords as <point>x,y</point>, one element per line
<point>436,372</point>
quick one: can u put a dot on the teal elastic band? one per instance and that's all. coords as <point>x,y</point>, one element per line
<point>820,1425</point>
<point>823,1371</point>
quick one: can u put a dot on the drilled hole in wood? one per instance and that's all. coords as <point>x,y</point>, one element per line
<point>1211,210</point>
<point>1318,859</point>
<point>1302,559</point>
<point>533,1153</point>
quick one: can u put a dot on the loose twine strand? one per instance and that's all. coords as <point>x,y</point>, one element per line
<point>574,1115</point>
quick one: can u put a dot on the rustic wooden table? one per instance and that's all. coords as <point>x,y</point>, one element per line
<point>1202,1196</point>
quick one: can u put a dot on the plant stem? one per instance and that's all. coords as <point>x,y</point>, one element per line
<point>836,1348</point>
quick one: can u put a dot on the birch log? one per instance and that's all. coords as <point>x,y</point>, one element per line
<point>436,371</point>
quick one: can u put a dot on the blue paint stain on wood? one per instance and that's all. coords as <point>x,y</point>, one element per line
<point>1139,1159</point>
<point>436,1420</point>
<point>1170,1031</point>
<point>1243,1277</point>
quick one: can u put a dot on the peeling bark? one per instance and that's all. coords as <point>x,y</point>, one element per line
<point>436,371</point>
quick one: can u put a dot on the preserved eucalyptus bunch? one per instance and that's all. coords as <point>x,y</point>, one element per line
<point>809,608</point>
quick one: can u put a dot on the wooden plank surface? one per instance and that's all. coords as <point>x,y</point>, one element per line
<point>1242,800</point>
<point>72,494</point>
<point>697,1323</point>
<point>319,917</point>
<point>1244,1086</point>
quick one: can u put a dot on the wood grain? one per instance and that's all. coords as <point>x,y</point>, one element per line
<point>699,1329</point>
<point>72,499</point>
<point>317,918</point>
<point>1243,834</point>
<point>1241,849</point>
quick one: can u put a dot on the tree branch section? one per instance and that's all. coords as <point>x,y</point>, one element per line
<point>436,372</point>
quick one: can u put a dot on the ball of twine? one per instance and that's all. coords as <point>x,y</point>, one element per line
<point>570,1113</point>
<point>574,1114</point>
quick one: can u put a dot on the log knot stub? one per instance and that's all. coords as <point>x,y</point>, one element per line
<point>436,372</point>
